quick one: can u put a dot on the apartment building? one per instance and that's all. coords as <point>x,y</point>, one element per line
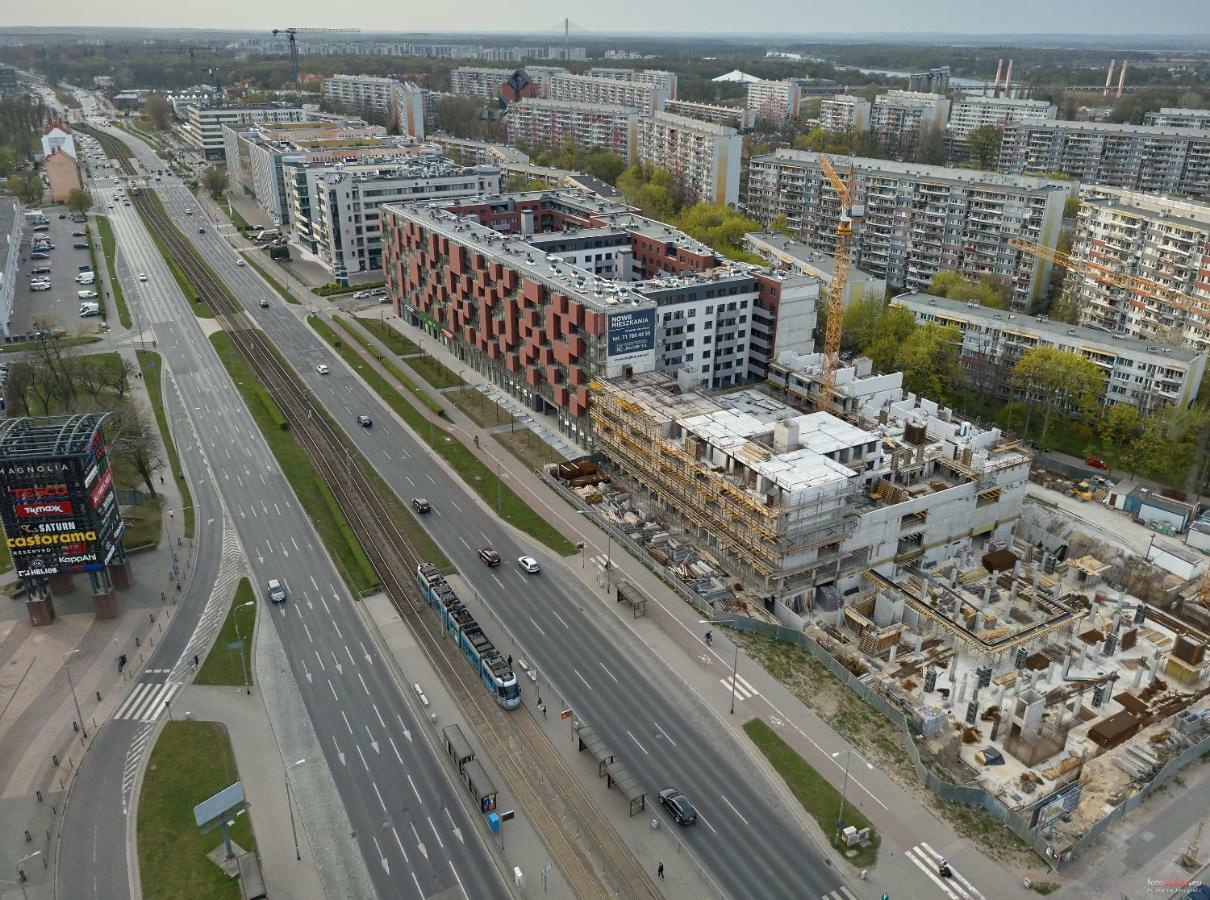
<point>1139,373</point>
<point>1154,159</point>
<point>334,207</point>
<point>647,98</point>
<point>62,175</point>
<point>552,123</point>
<point>774,100</point>
<point>479,81</point>
<point>9,85</point>
<point>844,114</point>
<point>790,255</point>
<point>704,156</point>
<point>918,219</point>
<point>203,126</point>
<point>657,77</point>
<point>899,119</point>
<point>974,112</point>
<point>11,231</point>
<point>1167,242</point>
<point>1175,117</point>
<point>546,291</point>
<point>738,117</point>
<point>358,92</point>
<point>477,153</point>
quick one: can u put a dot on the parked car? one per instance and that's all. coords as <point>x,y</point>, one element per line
<point>78,234</point>
<point>420,504</point>
<point>489,556</point>
<point>39,256</point>
<point>79,246</point>
<point>1096,462</point>
<point>87,295</point>
<point>529,564</point>
<point>39,285</point>
<point>201,230</point>
<point>361,295</point>
<point>277,593</point>
<point>678,806</point>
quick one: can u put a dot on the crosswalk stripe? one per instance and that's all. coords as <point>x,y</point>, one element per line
<point>957,886</point>
<point>146,702</point>
<point>929,871</point>
<point>743,689</point>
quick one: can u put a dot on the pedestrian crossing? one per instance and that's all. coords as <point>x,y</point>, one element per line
<point>134,755</point>
<point>146,703</point>
<point>743,689</point>
<point>841,893</point>
<point>928,861</point>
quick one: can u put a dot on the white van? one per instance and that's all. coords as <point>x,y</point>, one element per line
<point>88,310</point>
<point>86,278</point>
<point>87,295</point>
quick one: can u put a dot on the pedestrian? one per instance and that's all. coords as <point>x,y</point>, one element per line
<point>660,871</point>
<point>510,660</point>
<point>195,661</point>
<point>171,514</point>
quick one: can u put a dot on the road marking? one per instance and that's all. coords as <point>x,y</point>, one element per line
<point>607,672</point>
<point>337,629</point>
<point>930,871</point>
<point>460,887</point>
<point>381,802</point>
<point>706,821</point>
<point>743,689</point>
<point>581,677</point>
<point>440,843</point>
<point>419,799</point>
<point>464,543</point>
<point>409,478</point>
<point>382,859</point>
<point>346,718</point>
<point>362,755</point>
<point>321,661</point>
<point>352,661</point>
<point>325,603</point>
<point>396,749</point>
<point>336,662</point>
<point>498,581</point>
<point>454,503</point>
<point>146,702</point>
<point>537,626</point>
<point>636,741</point>
<point>456,829</point>
<point>377,713</point>
<point>932,860</point>
<point>560,618</point>
<point>338,753</point>
<point>732,805</point>
<point>666,735</point>
<point>308,631</point>
<point>333,690</point>
<point>363,684</point>
<point>399,841</point>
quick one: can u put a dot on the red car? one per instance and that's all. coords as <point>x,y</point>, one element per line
<point>1096,462</point>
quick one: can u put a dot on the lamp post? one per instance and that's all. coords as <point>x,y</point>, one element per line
<point>848,754</point>
<point>21,874</point>
<point>734,659</point>
<point>243,667</point>
<point>79,718</point>
<point>290,804</point>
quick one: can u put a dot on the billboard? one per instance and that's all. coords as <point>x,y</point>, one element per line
<point>631,331</point>
<point>60,512</point>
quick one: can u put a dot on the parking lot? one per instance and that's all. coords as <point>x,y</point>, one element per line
<point>58,307</point>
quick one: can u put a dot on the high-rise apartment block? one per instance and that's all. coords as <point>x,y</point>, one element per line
<point>360,92</point>
<point>552,123</point>
<point>479,81</point>
<point>657,77</point>
<point>900,119</point>
<point>203,126</point>
<point>844,114</point>
<point>647,98</point>
<point>1166,242</point>
<point>918,220</point>
<point>704,156</point>
<point>1175,117</point>
<point>732,116</point>
<point>1140,157</point>
<point>970,113</point>
<point>774,100</point>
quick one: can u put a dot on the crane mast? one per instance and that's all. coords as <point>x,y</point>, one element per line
<point>849,214</point>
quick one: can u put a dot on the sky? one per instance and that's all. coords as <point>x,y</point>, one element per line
<point>781,17</point>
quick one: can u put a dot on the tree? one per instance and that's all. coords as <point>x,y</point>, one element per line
<point>862,320</point>
<point>157,111</point>
<point>8,161</point>
<point>781,225</point>
<point>131,436</point>
<point>989,290</point>
<point>1150,453</point>
<point>929,360</point>
<point>1060,381</point>
<point>655,191</point>
<point>894,329</point>
<point>984,145</point>
<point>1117,430</point>
<point>720,227</point>
<point>930,147</point>
<point>28,187</point>
<point>79,201</point>
<point>214,179</point>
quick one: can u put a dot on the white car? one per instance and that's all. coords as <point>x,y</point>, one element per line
<point>361,295</point>
<point>277,593</point>
<point>322,369</point>
<point>39,285</point>
<point>529,564</point>
<point>240,262</point>
<point>142,276</point>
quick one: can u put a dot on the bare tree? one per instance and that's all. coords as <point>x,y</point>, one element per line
<point>131,435</point>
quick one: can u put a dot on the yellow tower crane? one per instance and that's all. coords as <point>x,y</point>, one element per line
<point>849,213</point>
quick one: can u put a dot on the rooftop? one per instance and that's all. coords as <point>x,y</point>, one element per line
<point>1181,211</point>
<point>577,106</point>
<point>1116,128</point>
<point>47,437</point>
<point>685,123</point>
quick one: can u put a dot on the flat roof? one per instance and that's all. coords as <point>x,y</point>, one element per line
<point>1115,128</point>
<point>1181,210</point>
<point>611,109</point>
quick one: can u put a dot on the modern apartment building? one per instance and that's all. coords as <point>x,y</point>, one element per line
<point>552,123</point>
<point>358,92</point>
<point>844,114</point>
<point>918,219</point>
<point>479,81</point>
<point>974,112</point>
<point>11,229</point>
<point>899,119</point>
<point>732,116</point>
<point>203,126</point>
<point>1165,241</point>
<point>789,255</point>
<point>547,291</point>
<point>1176,117</point>
<point>704,156</point>
<point>1139,373</point>
<point>647,98</point>
<point>334,207</point>
<point>657,77</point>
<point>1146,158</point>
<point>774,100</point>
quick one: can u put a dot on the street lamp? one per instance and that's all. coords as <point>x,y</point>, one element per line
<point>848,754</point>
<point>243,667</point>
<point>734,660</point>
<point>21,874</point>
<point>290,804</point>
<point>79,718</point>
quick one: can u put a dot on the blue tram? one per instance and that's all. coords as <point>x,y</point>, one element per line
<point>481,653</point>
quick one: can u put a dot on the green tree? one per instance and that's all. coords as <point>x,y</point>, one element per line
<point>984,145</point>
<point>8,161</point>
<point>157,111</point>
<point>894,329</point>
<point>214,180</point>
<point>1060,381</point>
<point>781,225</point>
<point>930,147</point>
<point>862,320</point>
<point>720,227</point>
<point>1150,453</point>
<point>1117,430</point>
<point>989,290</point>
<point>28,187</point>
<point>79,201</point>
<point>929,360</point>
<point>655,191</point>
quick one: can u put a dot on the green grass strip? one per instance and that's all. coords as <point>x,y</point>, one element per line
<point>152,367</point>
<point>109,248</point>
<point>813,791</point>
<point>433,372</point>
<point>394,340</point>
<point>223,666</point>
<point>420,393</point>
<point>273,282</point>
<point>191,761</point>
<point>75,340</point>
<point>312,491</point>
<point>457,455</point>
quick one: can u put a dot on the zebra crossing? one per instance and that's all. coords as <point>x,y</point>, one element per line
<point>147,701</point>
<point>928,860</point>
<point>134,755</point>
<point>841,893</point>
<point>743,689</point>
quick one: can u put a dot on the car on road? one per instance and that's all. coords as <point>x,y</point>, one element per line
<point>420,504</point>
<point>188,211</point>
<point>529,564</point>
<point>41,228</point>
<point>1096,462</point>
<point>490,556</point>
<point>39,285</point>
<point>277,593</point>
<point>365,421</point>
<point>264,303</point>
<point>323,369</point>
<point>142,276</point>
<point>62,215</point>
<point>201,230</point>
<point>39,255</point>
<point>240,262</point>
<point>678,806</point>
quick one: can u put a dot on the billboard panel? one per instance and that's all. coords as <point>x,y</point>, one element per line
<point>631,331</point>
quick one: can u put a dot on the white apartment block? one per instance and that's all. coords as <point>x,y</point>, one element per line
<point>478,81</point>
<point>542,76</point>
<point>1165,241</point>
<point>408,102</point>
<point>974,112</point>
<point>774,100</point>
<point>704,156</point>
<point>1148,158</point>
<point>901,118</point>
<point>732,116</point>
<point>477,153</point>
<point>1175,117</point>
<point>358,92</point>
<point>789,255</point>
<point>552,123</point>
<point>203,126</point>
<point>657,77</point>
<point>918,219</point>
<point>647,98</point>
<point>1138,373</point>
<point>844,113</point>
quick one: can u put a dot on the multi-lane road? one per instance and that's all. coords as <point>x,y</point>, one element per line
<point>748,839</point>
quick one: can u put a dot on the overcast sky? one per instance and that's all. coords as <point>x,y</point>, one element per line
<point>1184,17</point>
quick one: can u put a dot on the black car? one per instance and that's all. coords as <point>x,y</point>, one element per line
<point>420,505</point>
<point>79,246</point>
<point>78,234</point>
<point>489,556</point>
<point>678,805</point>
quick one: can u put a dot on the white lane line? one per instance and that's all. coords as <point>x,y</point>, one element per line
<point>581,677</point>
<point>401,850</point>
<point>465,895</point>
<point>537,626</point>
<point>321,661</point>
<point>414,791</point>
<point>637,744</point>
<point>377,713</point>
<point>308,631</point>
<point>607,672</point>
<point>464,543</point>
<point>703,819</point>
<point>440,843</point>
<point>666,735</point>
<point>346,718</point>
<point>430,477</point>
<point>732,805</point>
<point>454,503</point>
<point>334,697</point>
<point>363,757</point>
<point>363,684</point>
<point>350,652</point>
<point>396,749</point>
<point>498,581</point>
<point>560,618</point>
<point>381,802</point>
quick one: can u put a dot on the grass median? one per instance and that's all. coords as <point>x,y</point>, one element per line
<point>223,666</point>
<point>273,282</point>
<point>812,790</point>
<point>191,761</point>
<point>393,339</point>
<point>478,475</point>
<point>433,372</point>
<point>152,367</point>
<point>396,373</point>
<point>312,491</point>
<point>109,248</point>
<point>62,343</point>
